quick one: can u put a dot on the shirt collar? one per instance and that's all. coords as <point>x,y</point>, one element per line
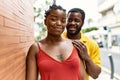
<point>83,38</point>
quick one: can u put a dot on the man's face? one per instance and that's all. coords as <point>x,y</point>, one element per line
<point>74,23</point>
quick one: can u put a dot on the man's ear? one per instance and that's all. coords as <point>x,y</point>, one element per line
<point>82,23</point>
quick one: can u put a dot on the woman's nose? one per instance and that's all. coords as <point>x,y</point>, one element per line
<point>59,22</point>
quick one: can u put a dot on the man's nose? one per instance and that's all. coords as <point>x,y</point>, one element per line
<point>72,22</point>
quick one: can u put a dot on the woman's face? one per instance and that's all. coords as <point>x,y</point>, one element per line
<point>56,22</point>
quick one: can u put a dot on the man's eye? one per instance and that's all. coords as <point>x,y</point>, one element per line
<point>77,20</point>
<point>69,20</point>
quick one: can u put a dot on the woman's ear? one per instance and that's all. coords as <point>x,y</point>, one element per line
<point>45,21</point>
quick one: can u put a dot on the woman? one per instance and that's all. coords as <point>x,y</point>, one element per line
<point>53,57</point>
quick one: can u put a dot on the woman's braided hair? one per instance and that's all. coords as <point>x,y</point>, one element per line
<point>53,7</point>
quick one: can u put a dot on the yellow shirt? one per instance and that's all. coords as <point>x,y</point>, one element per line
<point>92,48</point>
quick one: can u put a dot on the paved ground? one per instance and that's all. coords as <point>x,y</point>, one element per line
<point>105,74</point>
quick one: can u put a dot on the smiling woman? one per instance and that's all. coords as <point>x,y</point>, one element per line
<point>53,57</point>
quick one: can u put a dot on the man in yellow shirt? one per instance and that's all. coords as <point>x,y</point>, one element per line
<point>88,48</point>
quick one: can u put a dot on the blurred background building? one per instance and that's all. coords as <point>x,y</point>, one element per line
<point>109,23</point>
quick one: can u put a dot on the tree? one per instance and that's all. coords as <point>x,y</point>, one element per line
<point>39,10</point>
<point>89,29</point>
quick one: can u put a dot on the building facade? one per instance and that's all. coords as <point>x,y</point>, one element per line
<point>110,22</point>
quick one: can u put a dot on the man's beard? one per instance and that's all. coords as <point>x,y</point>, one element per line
<point>75,32</point>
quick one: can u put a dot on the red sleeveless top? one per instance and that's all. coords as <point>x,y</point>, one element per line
<point>51,69</point>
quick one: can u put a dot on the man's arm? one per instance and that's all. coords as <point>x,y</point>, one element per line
<point>92,69</point>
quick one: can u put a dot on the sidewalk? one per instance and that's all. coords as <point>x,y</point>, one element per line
<point>106,74</point>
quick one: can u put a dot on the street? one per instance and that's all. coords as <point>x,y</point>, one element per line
<point>106,66</point>
<point>106,61</point>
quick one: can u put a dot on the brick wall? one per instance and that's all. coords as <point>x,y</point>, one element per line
<point>16,36</point>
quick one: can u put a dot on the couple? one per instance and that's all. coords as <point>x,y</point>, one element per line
<point>57,58</point>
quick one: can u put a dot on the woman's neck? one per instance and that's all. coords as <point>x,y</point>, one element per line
<point>53,39</point>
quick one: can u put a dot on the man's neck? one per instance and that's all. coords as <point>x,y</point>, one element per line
<point>74,37</point>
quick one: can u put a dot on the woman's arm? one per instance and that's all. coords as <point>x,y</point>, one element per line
<point>82,71</point>
<point>31,63</point>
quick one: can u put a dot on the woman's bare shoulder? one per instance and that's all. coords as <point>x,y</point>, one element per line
<point>34,49</point>
<point>68,42</point>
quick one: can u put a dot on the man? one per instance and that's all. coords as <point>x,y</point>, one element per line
<point>89,51</point>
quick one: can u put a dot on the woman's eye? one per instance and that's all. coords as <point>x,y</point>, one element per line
<point>64,21</point>
<point>53,19</point>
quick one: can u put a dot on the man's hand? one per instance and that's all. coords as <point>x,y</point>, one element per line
<point>82,50</point>
<point>92,69</point>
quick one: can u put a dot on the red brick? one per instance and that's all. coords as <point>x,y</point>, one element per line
<point>16,36</point>
<point>9,39</point>
<point>11,31</point>
<point>1,20</point>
